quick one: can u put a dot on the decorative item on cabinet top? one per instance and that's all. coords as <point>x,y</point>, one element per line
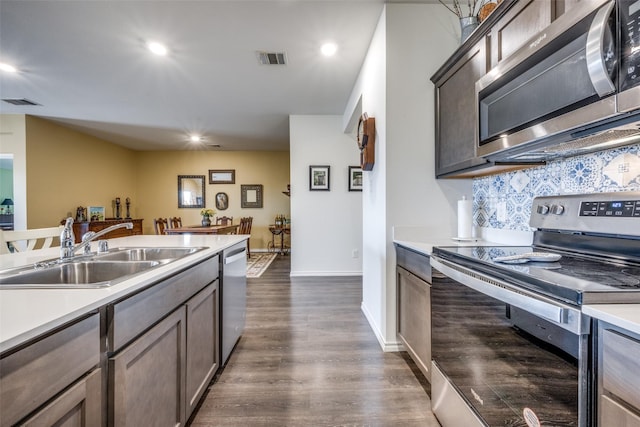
<point>366,141</point>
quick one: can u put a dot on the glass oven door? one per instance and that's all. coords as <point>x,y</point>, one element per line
<point>513,368</point>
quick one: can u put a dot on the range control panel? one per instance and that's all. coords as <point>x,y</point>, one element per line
<point>616,213</point>
<point>623,208</point>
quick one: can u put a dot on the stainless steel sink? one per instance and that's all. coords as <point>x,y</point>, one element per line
<point>93,274</point>
<point>95,271</point>
<point>146,254</point>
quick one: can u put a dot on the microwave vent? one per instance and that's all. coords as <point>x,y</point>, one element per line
<point>609,139</point>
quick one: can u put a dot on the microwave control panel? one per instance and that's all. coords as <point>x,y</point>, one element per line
<point>629,15</point>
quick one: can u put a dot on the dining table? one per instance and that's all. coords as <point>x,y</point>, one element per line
<point>204,229</point>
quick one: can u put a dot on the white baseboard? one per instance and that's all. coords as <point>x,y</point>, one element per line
<point>325,273</point>
<point>386,346</point>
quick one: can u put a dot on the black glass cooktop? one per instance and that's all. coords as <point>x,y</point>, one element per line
<point>575,279</point>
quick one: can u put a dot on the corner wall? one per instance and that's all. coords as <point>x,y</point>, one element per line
<point>326,225</point>
<point>410,43</point>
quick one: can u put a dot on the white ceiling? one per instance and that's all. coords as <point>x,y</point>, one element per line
<point>86,63</point>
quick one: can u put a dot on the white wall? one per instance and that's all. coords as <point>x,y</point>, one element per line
<point>411,42</point>
<point>13,140</point>
<point>326,225</point>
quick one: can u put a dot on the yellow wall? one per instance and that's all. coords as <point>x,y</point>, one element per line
<point>67,169</point>
<point>157,176</point>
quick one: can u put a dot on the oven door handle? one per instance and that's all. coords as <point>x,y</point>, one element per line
<point>566,317</point>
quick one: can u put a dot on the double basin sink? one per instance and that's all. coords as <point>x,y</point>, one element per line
<point>92,271</point>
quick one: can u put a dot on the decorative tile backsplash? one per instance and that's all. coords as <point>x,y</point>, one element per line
<point>504,201</point>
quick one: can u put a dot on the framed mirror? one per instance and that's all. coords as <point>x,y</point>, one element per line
<point>191,191</point>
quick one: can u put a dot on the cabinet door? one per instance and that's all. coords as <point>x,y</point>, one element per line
<point>202,343</point>
<point>414,318</point>
<point>147,378</point>
<point>80,406</point>
<point>523,21</point>
<point>32,376</point>
<point>456,112</point>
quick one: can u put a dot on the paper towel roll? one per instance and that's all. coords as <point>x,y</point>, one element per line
<point>465,218</point>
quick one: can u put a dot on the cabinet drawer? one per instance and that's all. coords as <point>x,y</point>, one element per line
<point>414,262</point>
<point>613,414</point>
<point>80,405</point>
<point>621,367</point>
<point>132,316</point>
<point>36,373</point>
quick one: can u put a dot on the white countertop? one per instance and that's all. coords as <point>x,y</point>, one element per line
<point>27,313</point>
<point>626,316</point>
<point>424,239</point>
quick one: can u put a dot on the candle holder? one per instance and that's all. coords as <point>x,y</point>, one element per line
<point>118,208</point>
<point>128,203</point>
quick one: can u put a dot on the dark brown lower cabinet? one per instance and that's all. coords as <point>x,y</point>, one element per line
<point>55,378</point>
<point>79,406</point>
<point>618,377</point>
<point>413,295</point>
<point>202,344</point>
<point>414,318</point>
<point>147,378</point>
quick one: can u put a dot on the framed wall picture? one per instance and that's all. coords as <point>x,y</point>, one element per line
<point>96,213</point>
<point>251,196</point>
<point>355,178</point>
<point>222,201</point>
<point>319,178</point>
<point>222,176</point>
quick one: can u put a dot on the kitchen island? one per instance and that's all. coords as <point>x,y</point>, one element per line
<point>143,349</point>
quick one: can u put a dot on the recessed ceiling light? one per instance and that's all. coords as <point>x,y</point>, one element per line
<point>157,48</point>
<point>195,138</point>
<point>329,49</point>
<point>8,68</point>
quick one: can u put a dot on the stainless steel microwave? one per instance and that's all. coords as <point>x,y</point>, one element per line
<point>573,88</point>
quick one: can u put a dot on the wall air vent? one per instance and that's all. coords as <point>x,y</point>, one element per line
<point>20,101</point>
<point>272,58</point>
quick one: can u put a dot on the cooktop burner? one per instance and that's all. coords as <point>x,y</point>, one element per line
<point>572,278</point>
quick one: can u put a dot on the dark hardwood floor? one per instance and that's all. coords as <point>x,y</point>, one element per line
<point>308,357</point>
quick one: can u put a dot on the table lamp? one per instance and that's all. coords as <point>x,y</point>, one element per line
<point>7,205</point>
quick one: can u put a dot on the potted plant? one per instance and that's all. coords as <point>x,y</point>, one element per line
<point>206,216</point>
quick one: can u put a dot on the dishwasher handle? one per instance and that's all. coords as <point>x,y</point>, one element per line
<point>235,256</point>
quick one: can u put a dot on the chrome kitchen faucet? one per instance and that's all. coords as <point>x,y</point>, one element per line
<point>68,248</point>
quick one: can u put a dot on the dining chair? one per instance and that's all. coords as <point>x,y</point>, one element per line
<point>160,224</point>
<point>224,220</point>
<point>27,240</point>
<point>176,222</point>
<point>245,228</point>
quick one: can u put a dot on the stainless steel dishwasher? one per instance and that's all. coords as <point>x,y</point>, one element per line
<point>233,297</point>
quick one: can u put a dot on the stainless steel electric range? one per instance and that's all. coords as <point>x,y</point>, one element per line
<point>510,344</point>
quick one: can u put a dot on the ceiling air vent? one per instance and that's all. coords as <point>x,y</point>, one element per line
<point>213,145</point>
<point>272,58</point>
<point>22,101</point>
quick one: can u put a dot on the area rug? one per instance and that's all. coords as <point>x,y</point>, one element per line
<point>258,264</point>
